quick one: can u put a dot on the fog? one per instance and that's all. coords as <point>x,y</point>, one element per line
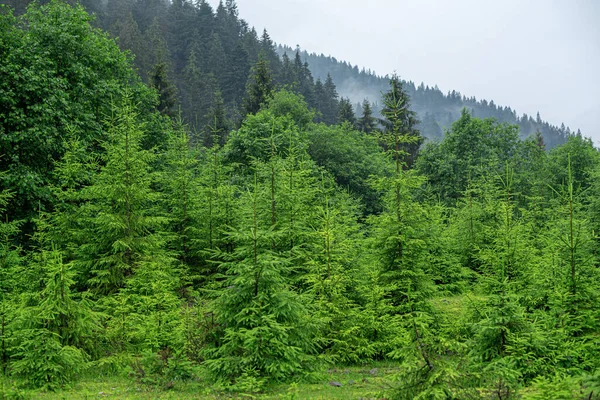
<point>531,55</point>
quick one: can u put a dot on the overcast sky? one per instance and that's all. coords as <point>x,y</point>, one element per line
<point>531,55</point>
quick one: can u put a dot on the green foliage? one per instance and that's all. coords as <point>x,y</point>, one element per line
<point>346,113</point>
<point>217,214</point>
<point>217,129</point>
<point>334,277</point>
<point>56,72</point>
<point>577,157</point>
<point>131,243</point>
<point>399,135</point>
<point>399,238</point>
<point>10,270</point>
<point>44,361</point>
<point>263,323</point>
<point>10,392</point>
<point>352,158</point>
<point>471,149</point>
<point>366,123</point>
<point>260,89</point>
<point>555,388</point>
<point>52,330</point>
<point>166,90</point>
<point>181,195</point>
<point>10,257</point>
<point>120,228</point>
<point>154,320</point>
<point>286,103</point>
<point>263,133</point>
<point>163,368</point>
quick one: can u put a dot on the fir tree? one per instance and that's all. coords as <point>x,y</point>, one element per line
<point>167,93</point>
<point>288,76</point>
<point>53,330</point>
<point>197,94</point>
<point>217,129</point>
<point>573,280</point>
<point>366,122</point>
<point>346,112</point>
<point>329,103</point>
<point>10,261</point>
<point>334,273</point>
<point>119,222</point>
<point>399,135</point>
<point>237,75</point>
<point>503,319</point>
<point>259,89</point>
<point>181,200</point>
<point>265,332</point>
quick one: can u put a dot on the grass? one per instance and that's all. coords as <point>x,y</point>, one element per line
<point>357,382</point>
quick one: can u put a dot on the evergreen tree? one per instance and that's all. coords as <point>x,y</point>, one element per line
<point>288,75</point>
<point>329,103</point>
<point>251,44</point>
<point>269,52</point>
<point>158,48</point>
<point>399,135</point>
<point>334,276</point>
<point>130,37</point>
<point>259,89</point>
<point>197,95</point>
<point>149,12</point>
<point>430,128</point>
<point>366,122</point>
<point>273,339</point>
<point>571,245</point>
<point>181,26</point>
<point>236,77</point>
<point>53,330</point>
<point>167,93</point>
<point>119,222</point>
<point>503,320</point>
<point>217,129</point>
<point>216,216</point>
<point>346,113</point>
<point>145,316</point>
<point>10,263</point>
<point>304,82</point>
<point>180,195</point>
<point>320,99</point>
<point>217,59</point>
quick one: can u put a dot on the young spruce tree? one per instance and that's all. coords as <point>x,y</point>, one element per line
<point>120,224</point>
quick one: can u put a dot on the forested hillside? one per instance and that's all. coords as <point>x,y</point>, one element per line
<point>148,254</point>
<point>435,109</point>
<point>201,60</point>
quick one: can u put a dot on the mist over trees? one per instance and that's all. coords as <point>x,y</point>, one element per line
<point>436,110</point>
<point>169,226</point>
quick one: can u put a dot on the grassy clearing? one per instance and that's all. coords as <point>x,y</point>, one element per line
<point>357,382</point>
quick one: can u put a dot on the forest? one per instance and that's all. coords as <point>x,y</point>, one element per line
<point>200,59</point>
<point>435,110</point>
<point>173,226</point>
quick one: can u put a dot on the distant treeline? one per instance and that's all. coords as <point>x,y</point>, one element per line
<point>435,109</point>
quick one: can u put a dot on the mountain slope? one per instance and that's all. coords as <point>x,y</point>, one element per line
<point>436,110</point>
